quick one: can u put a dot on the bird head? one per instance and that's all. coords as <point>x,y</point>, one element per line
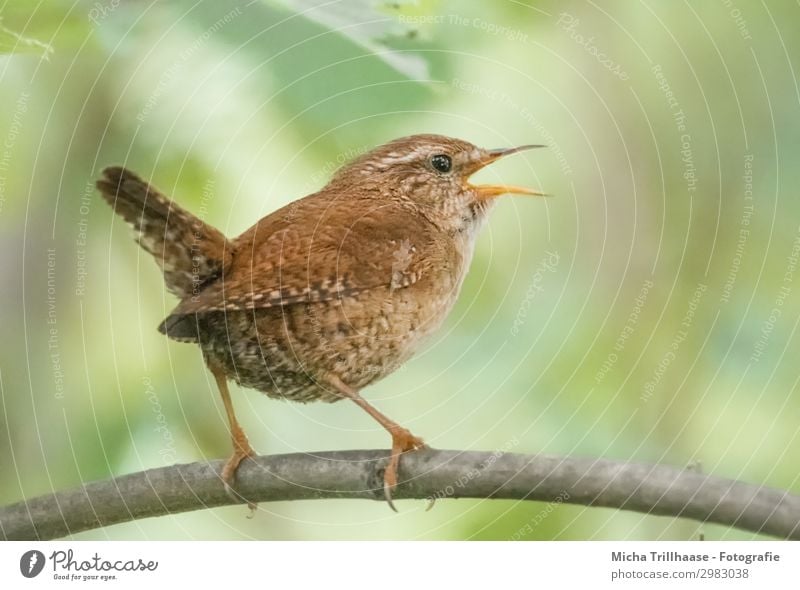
<point>432,172</point>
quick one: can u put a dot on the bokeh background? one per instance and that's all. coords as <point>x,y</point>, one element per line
<point>646,312</point>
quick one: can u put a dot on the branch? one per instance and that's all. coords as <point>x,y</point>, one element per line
<point>651,489</point>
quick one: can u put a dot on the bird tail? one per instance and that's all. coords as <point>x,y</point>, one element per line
<point>191,253</point>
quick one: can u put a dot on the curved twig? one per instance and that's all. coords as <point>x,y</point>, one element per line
<point>651,489</point>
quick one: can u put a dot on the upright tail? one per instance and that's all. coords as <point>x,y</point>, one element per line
<point>191,253</point>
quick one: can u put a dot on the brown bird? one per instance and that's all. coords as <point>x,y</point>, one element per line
<point>330,293</point>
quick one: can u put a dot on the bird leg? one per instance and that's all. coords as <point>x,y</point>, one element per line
<point>241,446</point>
<point>402,439</point>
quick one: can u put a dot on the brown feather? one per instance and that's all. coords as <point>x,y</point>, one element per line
<point>280,261</point>
<point>191,253</point>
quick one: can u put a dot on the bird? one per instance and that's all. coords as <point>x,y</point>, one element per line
<point>330,293</point>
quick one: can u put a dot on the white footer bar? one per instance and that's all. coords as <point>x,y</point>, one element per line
<point>397,565</point>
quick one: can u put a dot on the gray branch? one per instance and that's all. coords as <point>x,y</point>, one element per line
<point>650,489</point>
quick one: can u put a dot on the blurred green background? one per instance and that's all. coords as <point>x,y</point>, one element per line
<point>647,312</point>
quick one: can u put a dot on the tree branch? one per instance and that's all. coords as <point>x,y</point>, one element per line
<point>651,489</point>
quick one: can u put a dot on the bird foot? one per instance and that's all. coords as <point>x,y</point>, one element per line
<point>241,451</point>
<point>402,442</point>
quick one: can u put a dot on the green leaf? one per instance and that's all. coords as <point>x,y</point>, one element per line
<point>365,24</point>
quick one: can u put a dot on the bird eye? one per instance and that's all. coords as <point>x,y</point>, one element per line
<point>441,163</point>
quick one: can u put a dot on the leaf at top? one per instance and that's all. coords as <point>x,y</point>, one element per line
<point>363,22</point>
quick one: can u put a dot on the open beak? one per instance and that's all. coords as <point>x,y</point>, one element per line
<point>489,191</point>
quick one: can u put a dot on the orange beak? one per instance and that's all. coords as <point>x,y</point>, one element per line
<point>489,191</point>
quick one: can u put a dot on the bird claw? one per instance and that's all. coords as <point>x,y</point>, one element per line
<point>229,476</point>
<point>387,493</point>
<point>402,441</point>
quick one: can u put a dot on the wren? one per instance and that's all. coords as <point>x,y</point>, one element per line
<point>330,293</point>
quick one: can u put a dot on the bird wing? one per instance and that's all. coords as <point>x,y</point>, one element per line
<point>318,249</point>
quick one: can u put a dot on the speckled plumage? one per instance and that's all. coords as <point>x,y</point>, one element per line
<point>332,292</point>
<point>285,330</point>
<point>347,281</point>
